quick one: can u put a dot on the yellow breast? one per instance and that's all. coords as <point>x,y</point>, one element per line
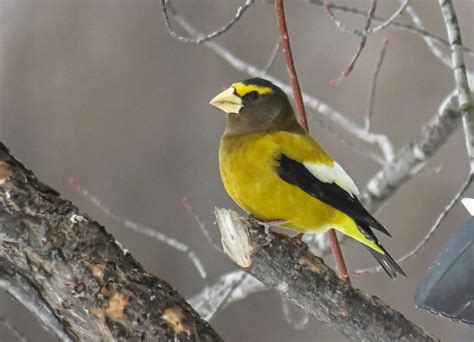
<point>248,170</point>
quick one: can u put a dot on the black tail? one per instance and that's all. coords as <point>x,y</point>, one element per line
<point>386,261</point>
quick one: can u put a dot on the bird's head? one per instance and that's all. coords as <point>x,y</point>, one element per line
<point>255,105</point>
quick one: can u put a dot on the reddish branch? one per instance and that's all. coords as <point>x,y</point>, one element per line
<point>290,65</point>
<point>363,41</point>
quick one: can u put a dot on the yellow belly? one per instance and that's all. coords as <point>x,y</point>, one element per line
<point>247,167</point>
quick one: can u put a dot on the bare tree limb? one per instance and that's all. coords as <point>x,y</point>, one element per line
<point>373,85</point>
<point>287,266</point>
<point>460,75</point>
<point>74,276</point>
<point>210,36</point>
<point>363,41</point>
<point>391,19</point>
<point>394,24</point>
<point>413,157</point>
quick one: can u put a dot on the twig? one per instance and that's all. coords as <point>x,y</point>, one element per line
<point>140,228</point>
<point>228,293</point>
<point>75,276</point>
<point>210,36</point>
<point>373,85</point>
<point>322,109</point>
<point>430,41</point>
<point>206,231</point>
<point>7,324</point>
<point>363,41</point>
<point>430,233</point>
<point>290,65</point>
<point>206,301</point>
<point>327,7</point>
<point>285,43</point>
<point>460,76</point>
<point>391,19</point>
<point>273,56</point>
<point>296,274</point>
<point>413,156</point>
<point>394,24</point>
<point>361,150</point>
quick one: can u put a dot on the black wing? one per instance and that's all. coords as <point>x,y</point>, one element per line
<point>296,173</point>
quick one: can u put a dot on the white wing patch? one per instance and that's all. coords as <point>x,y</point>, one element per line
<point>333,174</point>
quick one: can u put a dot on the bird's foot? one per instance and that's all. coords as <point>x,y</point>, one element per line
<point>267,225</point>
<point>268,235</point>
<point>298,237</point>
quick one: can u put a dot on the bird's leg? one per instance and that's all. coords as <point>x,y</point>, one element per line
<point>267,225</point>
<point>299,237</point>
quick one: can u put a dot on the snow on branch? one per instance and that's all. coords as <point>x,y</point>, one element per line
<point>286,265</point>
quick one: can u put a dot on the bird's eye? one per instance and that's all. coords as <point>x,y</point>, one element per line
<point>252,96</point>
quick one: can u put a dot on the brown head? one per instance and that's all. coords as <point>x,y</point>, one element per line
<point>256,105</point>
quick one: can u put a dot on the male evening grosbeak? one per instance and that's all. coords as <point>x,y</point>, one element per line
<point>275,171</point>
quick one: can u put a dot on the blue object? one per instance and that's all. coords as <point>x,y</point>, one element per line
<point>448,287</point>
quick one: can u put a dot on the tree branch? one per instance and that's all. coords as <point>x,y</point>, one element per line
<point>460,76</point>
<point>298,275</point>
<point>74,276</point>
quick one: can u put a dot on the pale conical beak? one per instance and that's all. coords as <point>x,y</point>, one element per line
<point>227,101</point>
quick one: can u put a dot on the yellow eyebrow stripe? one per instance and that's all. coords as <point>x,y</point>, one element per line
<point>242,89</point>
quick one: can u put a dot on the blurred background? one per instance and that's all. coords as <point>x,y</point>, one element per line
<point>98,90</point>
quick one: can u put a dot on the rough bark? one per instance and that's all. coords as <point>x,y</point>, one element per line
<point>285,264</point>
<point>75,277</point>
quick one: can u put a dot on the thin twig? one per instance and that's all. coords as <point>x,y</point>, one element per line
<point>206,231</point>
<point>460,76</point>
<point>363,41</point>
<point>389,20</point>
<point>140,228</point>
<point>428,40</point>
<point>285,43</point>
<point>327,7</point>
<point>373,85</point>
<point>273,56</point>
<point>394,24</point>
<point>430,233</point>
<point>228,294</point>
<point>361,150</point>
<point>210,36</point>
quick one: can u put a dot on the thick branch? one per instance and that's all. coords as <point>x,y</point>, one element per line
<point>74,276</point>
<point>298,275</point>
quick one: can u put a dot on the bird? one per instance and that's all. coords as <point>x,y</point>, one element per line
<point>276,172</point>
